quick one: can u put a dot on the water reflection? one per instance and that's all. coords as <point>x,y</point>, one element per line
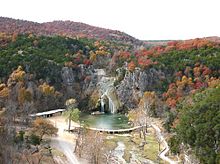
<point>105,121</point>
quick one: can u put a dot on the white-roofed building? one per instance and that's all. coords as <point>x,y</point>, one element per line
<point>48,113</point>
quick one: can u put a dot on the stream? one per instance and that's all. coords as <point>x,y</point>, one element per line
<point>119,152</point>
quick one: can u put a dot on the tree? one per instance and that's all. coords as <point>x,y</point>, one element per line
<point>199,126</point>
<point>91,145</point>
<point>138,118</point>
<point>131,66</point>
<point>149,100</point>
<point>72,113</point>
<point>43,127</point>
<point>7,135</point>
<point>17,75</point>
<point>95,141</point>
<point>47,89</point>
<point>92,56</point>
<point>4,93</point>
<point>14,37</point>
<point>24,95</point>
<point>147,104</point>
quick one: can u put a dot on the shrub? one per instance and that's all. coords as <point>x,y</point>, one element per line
<point>34,139</point>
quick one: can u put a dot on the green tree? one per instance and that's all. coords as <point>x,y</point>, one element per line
<point>72,112</point>
<point>199,125</point>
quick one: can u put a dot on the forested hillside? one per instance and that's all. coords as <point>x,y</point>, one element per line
<point>197,125</point>
<point>44,56</point>
<point>65,28</point>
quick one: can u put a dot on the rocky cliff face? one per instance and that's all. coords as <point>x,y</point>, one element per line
<point>82,82</point>
<point>88,85</point>
<point>79,83</point>
<point>134,84</point>
<point>70,85</point>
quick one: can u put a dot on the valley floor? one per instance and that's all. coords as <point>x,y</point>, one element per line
<point>64,141</point>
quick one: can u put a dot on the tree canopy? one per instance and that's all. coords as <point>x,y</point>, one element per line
<point>199,125</point>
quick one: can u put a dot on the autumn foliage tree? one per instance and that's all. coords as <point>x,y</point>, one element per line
<point>188,81</point>
<point>131,66</point>
<point>48,96</point>
<point>43,127</point>
<point>4,91</point>
<point>17,75</point>
<point>47,89</point>
<point>24,95</point>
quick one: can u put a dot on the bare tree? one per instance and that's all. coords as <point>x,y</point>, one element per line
<point>90,144</point>
<point>141,115</point>
<point>80,141</point>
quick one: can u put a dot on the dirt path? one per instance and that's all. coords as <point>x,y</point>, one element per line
<point>163,153</point>
<point>66,147</point>
<point>64,141</point>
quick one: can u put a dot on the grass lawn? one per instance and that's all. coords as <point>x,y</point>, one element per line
<point>151,148</point>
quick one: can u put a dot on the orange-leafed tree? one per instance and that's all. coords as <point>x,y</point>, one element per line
<point>14,37</point>
<point>42,127</point>
<point>24,95</point>
<point>131,66</point>
<point>47,89</point>
<point>4,91</point>
<point>17,75</point>
<point>92,56</point>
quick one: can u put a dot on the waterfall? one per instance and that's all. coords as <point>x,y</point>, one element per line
<point>111,105</point>
<point>102,105</point>
<point>109,96</point>
<point>107,92</point>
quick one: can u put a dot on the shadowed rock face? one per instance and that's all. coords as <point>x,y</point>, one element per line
<point>68,76</point>
<point>75,81</point>
<point>70,84</point>
<point>134,84</point>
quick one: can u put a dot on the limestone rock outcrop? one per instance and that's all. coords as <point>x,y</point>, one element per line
<point>134,84</point>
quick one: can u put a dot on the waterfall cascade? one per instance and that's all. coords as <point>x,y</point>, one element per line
<point>108,95</point>
<point>102,105</point>
<point>111,106</point>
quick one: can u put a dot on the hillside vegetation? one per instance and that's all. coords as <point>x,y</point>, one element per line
<point>64,28</point>
<point>198,125</point>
